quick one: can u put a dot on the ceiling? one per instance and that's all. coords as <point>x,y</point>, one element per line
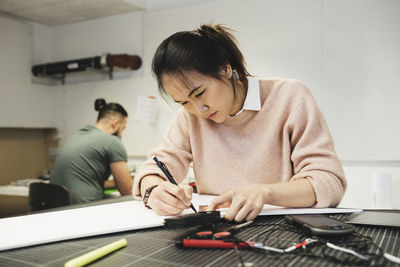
<point>60,12</point>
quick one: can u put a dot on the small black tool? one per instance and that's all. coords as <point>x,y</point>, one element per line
<point>193,219</point>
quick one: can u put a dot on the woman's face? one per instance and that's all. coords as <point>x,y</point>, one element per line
<point>203,95</point>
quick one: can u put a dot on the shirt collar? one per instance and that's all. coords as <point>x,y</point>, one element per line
<point>252,100</point>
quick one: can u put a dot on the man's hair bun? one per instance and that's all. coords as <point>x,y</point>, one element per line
<point>99,104</point>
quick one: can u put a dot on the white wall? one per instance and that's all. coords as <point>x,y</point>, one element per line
<point>115,34</point>
<point>361,69</point>
<point>23,104</point>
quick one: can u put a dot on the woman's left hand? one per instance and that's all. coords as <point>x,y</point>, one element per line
<point>245,203</point>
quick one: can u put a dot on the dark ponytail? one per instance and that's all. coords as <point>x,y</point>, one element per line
<point>223,39</point>
<point>204,50</point>
<point>106,109</point>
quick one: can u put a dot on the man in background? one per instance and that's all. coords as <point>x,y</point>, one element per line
<point>92,154</point>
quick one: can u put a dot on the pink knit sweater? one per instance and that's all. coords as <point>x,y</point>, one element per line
<point>286,140</point>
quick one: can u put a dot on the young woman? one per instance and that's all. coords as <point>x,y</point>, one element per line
<point>252,141</point>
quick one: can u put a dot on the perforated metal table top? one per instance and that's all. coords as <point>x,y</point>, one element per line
<point>156,247</point>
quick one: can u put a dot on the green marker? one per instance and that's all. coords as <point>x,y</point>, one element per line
<point>109,191</point>
<point>96,254</point>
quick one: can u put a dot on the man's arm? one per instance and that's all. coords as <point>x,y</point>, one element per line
<point>109,184</point>
<point>123,180</point>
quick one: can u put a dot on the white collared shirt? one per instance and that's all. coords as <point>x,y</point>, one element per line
<point>252,100</point>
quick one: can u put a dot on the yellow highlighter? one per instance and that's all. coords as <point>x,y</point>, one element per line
<point>96,254</point>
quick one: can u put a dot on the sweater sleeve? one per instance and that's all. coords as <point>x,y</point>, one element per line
<point>174,152</point>
<point>313,153</point>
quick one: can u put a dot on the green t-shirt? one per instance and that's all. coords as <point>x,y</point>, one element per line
<point>83,163</point>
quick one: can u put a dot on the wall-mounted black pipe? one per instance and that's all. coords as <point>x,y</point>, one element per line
<point>99,62</point>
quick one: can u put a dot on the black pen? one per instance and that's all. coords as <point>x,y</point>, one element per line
<point>165,170</point>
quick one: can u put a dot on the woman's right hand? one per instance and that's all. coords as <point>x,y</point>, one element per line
<point>169,199</point>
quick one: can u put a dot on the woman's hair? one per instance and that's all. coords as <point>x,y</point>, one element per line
<point>204,50</point>
<point>106,109</point>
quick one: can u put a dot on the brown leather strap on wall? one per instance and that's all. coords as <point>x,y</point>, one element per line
<point>124,61</point>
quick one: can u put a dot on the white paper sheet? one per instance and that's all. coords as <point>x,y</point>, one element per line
<point>276,210</point>
<point>54,226</point>
<point>146,109</point>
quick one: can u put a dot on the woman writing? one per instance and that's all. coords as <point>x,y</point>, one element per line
<point>252,141</point>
